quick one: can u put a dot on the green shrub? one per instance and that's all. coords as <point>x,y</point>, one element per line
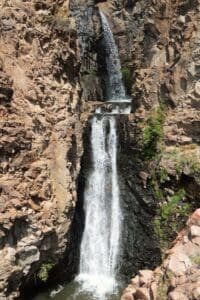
<point>45,268</point>
<point>126,76</point>
<point>195,259</point>
<point>185,158</point>
<point>163,175</point>
<point>59,18</point>
<point>171,217</point>
<point>153,133</point>
<point>163,285</point>
<point>58,21</point>
<point>166,210</point>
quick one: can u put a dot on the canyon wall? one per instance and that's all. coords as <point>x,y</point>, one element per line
<point>159,48</point>
<point>50,80</point>
<point>178,276</point>
<point>159,153</point>
<point>41,136</point>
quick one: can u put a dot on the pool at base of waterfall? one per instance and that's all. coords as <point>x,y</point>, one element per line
<point>83,288</point>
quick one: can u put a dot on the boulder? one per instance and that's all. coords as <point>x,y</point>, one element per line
<point>196,293</point>
<point>179,263</point>
<point>28,255</point>
<point>127,296</point>
<point>146,276</point>
<point>181,20</point>
<point>177,296</point>
<point>197,89</point>
<point>142,294</point>
<point>195,231</point>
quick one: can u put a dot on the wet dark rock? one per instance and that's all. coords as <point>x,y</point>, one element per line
<point>88,30</point>
<point>139,245</point>
<point>6,89</point>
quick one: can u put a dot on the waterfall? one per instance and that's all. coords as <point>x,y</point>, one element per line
<point>101,237</point>
<point>114,85</point>
<point>100,243</point>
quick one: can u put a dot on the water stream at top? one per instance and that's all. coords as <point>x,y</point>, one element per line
<point>115,87</point>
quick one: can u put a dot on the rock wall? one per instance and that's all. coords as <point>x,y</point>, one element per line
<point>41,136</point>
<point>89,32</point>
<point>48,71</point>
<point>139,246</point>
<point>178,277</point>
<point>159,159</point>
<point>161,66</point>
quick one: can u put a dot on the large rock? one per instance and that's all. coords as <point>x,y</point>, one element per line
<point>178,276</point>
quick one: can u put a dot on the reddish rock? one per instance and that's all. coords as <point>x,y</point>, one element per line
<point>146,276</point>
<point>195,231</point>
<point>177,296</point>
<point>196,292</point>
<point>127,296</point>
<point>142,294</point>
<point>179,271</point>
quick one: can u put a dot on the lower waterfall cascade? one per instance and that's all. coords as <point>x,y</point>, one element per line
<point>100,244</point>
<point>101,237</point>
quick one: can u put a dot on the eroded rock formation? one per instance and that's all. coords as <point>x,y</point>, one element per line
<point>159,48</point>
<point>178,277</point>
<point>160,63</point>
<point>41,136</point>
<point>49,67</point>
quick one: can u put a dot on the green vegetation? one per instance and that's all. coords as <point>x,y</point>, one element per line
<point>186,161</point>
<point>91,72</point>
<point>162,291</point>
<point>163,175</point>
<point>153,133</point>
<point>158,193</point>
<point>126,76</point>
<point>170,217</point>
<point>163,285</point>
<point>172,206</point>
<point>184,158</point>
<point>155,184</point>
<point>195,259</point>
<point>45,268</point>
<point>59,18</point>
<point>57,21</point>
<point>174,209</point>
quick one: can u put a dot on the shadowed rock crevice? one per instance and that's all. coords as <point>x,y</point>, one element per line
<point>140,246</point>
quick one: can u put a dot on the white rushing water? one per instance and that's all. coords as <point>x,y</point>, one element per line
<point>115,87</point>
<point>100,243</point>
<point>101,237</point>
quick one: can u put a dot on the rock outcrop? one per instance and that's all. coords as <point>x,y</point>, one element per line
<point>49,67</point>
<point>160,64</point>
<point>158,43</point>
<point>179,276</point>
<point>41,136</point>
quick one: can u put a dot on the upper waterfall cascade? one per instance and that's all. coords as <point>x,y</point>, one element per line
<point>114,85</point>
<point>100,244</point>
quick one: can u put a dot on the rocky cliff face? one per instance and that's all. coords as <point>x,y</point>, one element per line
<point>159,152</point>
<point>41,133</point>
<point>178,277</point>
<point>160,64</point>
<point>49,68</point>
